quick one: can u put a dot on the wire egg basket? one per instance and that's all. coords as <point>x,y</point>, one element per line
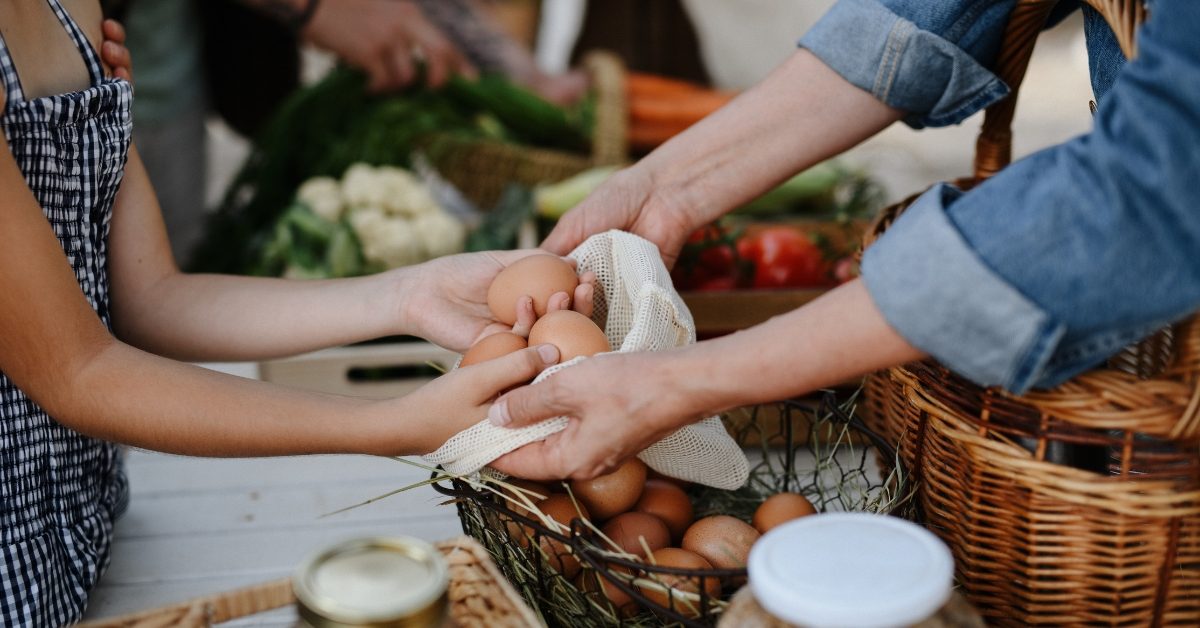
<point>575,576</point>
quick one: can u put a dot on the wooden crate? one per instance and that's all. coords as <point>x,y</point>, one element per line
<point>375,371</point>
<point>718,313</point>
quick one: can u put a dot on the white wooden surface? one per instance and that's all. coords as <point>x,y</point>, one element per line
<point>200,526</point>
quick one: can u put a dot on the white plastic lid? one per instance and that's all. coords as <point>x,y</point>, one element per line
<point>851,569</point>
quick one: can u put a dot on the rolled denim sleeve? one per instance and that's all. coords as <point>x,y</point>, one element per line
<point>926,58</point>
<point>1066,256</point>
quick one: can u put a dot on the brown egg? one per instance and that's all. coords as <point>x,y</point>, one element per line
<point>535,493</point>
<point>492,347</point>
<point>655,475</point>
<point>573,333</point>
<point>612,494</point>
<point>671,599</point>
<point>591,582</point>
<point>781,508</point>
<point>629,529</point>
<point>669,503</point>
<point>722,540</point>
<point>536,276</point>
<point>561,509</point>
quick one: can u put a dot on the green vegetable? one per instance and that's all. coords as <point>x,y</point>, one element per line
<point>342,255</point>
<point>811,185</point>
<point>519,109</point>
<point>554,200</point>
<point>502,224</point>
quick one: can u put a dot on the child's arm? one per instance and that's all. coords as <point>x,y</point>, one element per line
<point>216,317</point>
<point>55,349</point>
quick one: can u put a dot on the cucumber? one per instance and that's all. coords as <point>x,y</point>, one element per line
<point>812,184</point>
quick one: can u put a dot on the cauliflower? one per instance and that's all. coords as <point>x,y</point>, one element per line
<point>440,233</point>
<point>391,241</point>
<point>364,219</point>
<point>362,186</point>
<point>404,194</point>
<point>323,196</point>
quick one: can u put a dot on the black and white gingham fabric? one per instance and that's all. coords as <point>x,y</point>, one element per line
<point>60,490</point>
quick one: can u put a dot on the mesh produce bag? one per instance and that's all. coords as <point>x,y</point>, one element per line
<point>642,313</point>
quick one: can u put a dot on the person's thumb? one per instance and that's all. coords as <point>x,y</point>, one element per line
<point>519,367</point>
<point>528,405</point>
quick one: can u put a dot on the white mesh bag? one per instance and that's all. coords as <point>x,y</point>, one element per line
<point>642,313</point>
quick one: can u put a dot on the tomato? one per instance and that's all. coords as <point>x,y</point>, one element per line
<point>708,261</point>
<point>784,257</point>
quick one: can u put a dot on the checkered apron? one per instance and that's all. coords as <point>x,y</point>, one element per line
<point>61,490</point>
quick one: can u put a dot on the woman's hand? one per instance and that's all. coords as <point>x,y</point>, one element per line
<point>445,300</point>
<point>628,201</point>
<point>113,52</point>
<point>460,399</point>
<point>618,404</point>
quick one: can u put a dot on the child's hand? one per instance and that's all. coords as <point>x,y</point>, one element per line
<point>460,398</point>
<point>448,304</point>
<point>114,53</point>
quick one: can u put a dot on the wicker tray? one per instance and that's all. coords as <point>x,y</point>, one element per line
<point>479,597</point>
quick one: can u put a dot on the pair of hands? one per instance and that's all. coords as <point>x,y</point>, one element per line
<point>447,304</point>
<point>621,395</point>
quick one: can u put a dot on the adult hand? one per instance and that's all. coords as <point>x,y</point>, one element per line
<point>446,302</point>
<point>617,405</point>
<point>386,38</point>
<point>113,52</point>
<point>459,399</point>
<point>628,201</point>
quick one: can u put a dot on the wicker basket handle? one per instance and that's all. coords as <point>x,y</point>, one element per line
<point>993,149</point>
<point>610,143</point>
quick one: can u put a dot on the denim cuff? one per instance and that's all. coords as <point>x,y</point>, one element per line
<point>913,70</point>
<point>937,293</point>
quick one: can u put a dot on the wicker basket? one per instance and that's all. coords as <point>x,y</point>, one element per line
<point>481,169</point>
<point>479,597</point>
<point>836,475</point>
<point>1111,537</point>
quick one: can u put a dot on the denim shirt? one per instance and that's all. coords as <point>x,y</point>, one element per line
<point>1066,256</point>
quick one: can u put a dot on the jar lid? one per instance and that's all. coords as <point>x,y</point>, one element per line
<point>376,581</point>
<point>851,569</point>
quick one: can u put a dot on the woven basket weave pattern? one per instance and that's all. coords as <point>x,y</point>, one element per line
<point>1038,542</point>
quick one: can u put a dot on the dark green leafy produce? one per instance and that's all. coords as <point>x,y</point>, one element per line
<point>500,226</point>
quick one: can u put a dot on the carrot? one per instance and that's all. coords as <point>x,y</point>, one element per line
<point>646,136</point>
<point>644,84</point>
<point>689,107</point>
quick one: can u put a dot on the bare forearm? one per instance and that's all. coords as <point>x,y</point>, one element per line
<point>220,317</point>
<point>800,115</point>
<point>836,338</point>
<point>127,396</point>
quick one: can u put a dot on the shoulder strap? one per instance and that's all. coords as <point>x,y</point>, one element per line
<point>91,59</point>
<point>8,75</point>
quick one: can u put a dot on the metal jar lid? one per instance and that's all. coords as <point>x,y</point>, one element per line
<point>377,582</point>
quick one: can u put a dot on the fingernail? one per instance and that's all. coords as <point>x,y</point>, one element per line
<point>498,414</point>
<point>548,353</point>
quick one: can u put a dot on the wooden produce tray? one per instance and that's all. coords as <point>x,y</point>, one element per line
<point>480,597</point>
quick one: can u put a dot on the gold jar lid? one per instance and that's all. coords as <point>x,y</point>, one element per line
<point>377,582</point>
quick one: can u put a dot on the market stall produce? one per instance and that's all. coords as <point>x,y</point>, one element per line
<point>480,135</point>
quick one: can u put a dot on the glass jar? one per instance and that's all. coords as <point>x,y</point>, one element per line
<point>377,582</point>
<point>851,569</point>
